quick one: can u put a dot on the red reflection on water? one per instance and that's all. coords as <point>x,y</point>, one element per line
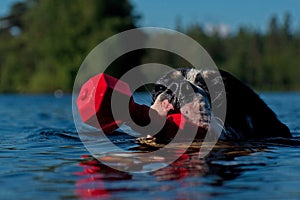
<point>95,177</point>
<point>96,180</point>
<point>186,165</point>
<point>91,183</point>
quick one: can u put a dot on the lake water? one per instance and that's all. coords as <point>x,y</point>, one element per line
<point>42,156</point>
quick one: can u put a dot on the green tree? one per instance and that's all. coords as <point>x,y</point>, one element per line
<point>54,38</point>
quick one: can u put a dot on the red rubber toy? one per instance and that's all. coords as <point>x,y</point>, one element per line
<point>94,105</point>
<point>94,101</point>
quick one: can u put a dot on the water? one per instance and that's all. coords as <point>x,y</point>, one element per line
<point>42,156</point>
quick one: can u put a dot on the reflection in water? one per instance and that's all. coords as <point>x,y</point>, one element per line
<point>93,176</point>
<point>98,180</point>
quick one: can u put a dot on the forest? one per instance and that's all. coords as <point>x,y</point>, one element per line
<point>44,42</point>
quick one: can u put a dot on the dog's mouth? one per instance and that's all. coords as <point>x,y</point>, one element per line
<point>191,101</point>
<point>196,110</point>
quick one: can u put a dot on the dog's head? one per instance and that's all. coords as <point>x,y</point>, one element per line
<point>186,96</point>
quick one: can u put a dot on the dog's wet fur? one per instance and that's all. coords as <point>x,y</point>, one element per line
<point>247,116</point>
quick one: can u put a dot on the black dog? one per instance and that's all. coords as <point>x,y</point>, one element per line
<point>247,115</point>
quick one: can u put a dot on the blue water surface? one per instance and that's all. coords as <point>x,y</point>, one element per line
<point>42,156</point>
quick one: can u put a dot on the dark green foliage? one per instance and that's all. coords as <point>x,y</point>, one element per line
<point>44,42</point>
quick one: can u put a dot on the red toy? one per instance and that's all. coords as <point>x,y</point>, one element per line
<point>94,105</point>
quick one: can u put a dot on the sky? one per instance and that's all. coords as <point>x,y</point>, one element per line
<point>5,5</point>
<point>228,15</point>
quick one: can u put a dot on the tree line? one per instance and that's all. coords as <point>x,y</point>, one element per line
<point>266,61</point>
<point>43,43</point>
